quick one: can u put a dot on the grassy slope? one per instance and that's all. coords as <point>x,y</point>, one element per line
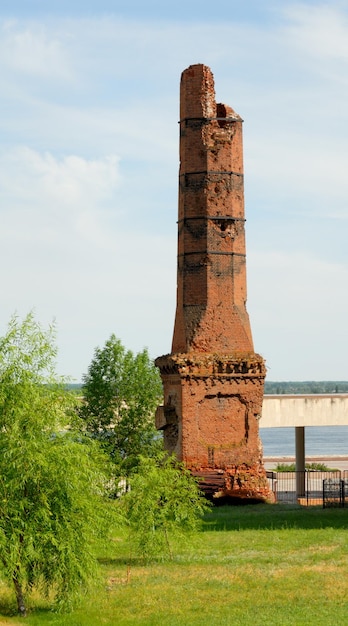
<point>273,565</point>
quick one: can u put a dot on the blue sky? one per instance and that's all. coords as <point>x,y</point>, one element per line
<point>89,163</point>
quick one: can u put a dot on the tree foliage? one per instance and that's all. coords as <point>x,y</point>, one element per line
<point>51,478</point>
<point>121,392</point>
<point>164,503</point>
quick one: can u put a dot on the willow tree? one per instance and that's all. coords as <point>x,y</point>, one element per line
<point>164,504</point>
<point>51,479</point>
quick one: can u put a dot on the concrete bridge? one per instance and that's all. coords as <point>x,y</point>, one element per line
<point>299,411</point>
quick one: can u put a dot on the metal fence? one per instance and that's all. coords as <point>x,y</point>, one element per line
<point>335,492</point>
<point>305,488</point>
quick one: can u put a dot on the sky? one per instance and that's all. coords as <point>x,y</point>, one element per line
<point>89,163</point>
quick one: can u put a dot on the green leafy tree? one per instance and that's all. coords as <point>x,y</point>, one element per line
<point>163,504</point>
<point>121,392</point>
<point>51,479</point>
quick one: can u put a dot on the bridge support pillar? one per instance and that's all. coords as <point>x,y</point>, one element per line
<point>300,460</point>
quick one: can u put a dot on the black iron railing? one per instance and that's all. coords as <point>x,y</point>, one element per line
<point>306,487</point>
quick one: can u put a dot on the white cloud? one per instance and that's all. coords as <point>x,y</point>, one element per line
<point>48,196</point>
<point>32,50</point>
<point>67,256</point>
<point>319,32</point>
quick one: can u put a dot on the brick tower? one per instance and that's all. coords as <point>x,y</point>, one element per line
<point>213,380</point>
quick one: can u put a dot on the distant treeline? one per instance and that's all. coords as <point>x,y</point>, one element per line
<point>74,388</point>
<point>307,386</point>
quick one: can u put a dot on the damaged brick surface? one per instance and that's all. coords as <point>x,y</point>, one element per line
<point>213,380</point>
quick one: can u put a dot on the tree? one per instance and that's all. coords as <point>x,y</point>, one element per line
<point>51,478</point>
<point>163,503</point>
<point>121,392</point>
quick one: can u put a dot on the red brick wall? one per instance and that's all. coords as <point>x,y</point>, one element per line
<point>213,380</point>
<point>211,291</point>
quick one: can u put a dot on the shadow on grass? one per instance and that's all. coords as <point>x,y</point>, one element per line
<point>121,560</point>
<point>273,516</point>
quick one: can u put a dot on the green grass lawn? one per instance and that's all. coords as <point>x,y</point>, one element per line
<point>251,565</point>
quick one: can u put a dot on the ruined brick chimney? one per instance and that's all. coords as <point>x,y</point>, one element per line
<point>213,380</point>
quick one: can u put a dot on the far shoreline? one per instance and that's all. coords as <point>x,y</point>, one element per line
<point>339,462</point>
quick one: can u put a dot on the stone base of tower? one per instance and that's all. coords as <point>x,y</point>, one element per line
<point>212,405</point>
